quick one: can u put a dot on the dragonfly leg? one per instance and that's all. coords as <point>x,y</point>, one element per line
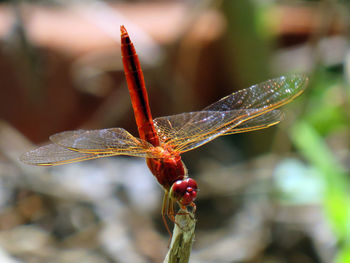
<point>194,208</point>
<point>170,212</point>
<point>184,211</point>
<point>165,211</point>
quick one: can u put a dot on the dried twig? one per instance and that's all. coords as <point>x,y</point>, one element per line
<point>183,236</point>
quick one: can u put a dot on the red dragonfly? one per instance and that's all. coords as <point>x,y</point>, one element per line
<point>163,140</point>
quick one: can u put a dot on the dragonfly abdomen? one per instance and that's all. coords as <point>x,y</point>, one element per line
<point>137,90</point>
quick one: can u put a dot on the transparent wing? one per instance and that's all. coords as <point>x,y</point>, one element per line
<point>260,122</point>
<point>241,111</point>
<point>266,95</point>
<point>204,126</point>
<point>116,141</point>
<point>81,145</point>
<point>52,154</point>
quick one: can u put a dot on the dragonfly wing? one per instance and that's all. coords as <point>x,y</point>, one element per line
<point>53,154</point>
<point>113,141</point>
<point>266,120</point>
<point>245,110</point>
<point>190,130</point>
<point>265,96</point>
<point>171,126</point>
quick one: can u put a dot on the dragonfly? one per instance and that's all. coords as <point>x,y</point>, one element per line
<point>162,140</point>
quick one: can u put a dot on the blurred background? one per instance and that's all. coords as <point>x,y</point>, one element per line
<point>274,195</point>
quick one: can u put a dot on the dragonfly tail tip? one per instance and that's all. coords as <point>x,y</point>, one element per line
<point>123,30</point>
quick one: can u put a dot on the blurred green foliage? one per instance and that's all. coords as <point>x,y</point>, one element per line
<point>325,117</point>
<point>320,177</point>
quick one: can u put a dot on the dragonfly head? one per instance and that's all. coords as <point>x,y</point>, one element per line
<point>184,191</point>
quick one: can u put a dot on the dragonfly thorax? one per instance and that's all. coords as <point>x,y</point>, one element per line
<point>164,151</point>
<point>168,167</point>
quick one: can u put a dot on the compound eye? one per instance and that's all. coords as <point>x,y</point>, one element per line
<point>179,188</point>
<point>191,183</point>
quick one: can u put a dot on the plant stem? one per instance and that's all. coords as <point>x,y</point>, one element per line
<point>183,236</point>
